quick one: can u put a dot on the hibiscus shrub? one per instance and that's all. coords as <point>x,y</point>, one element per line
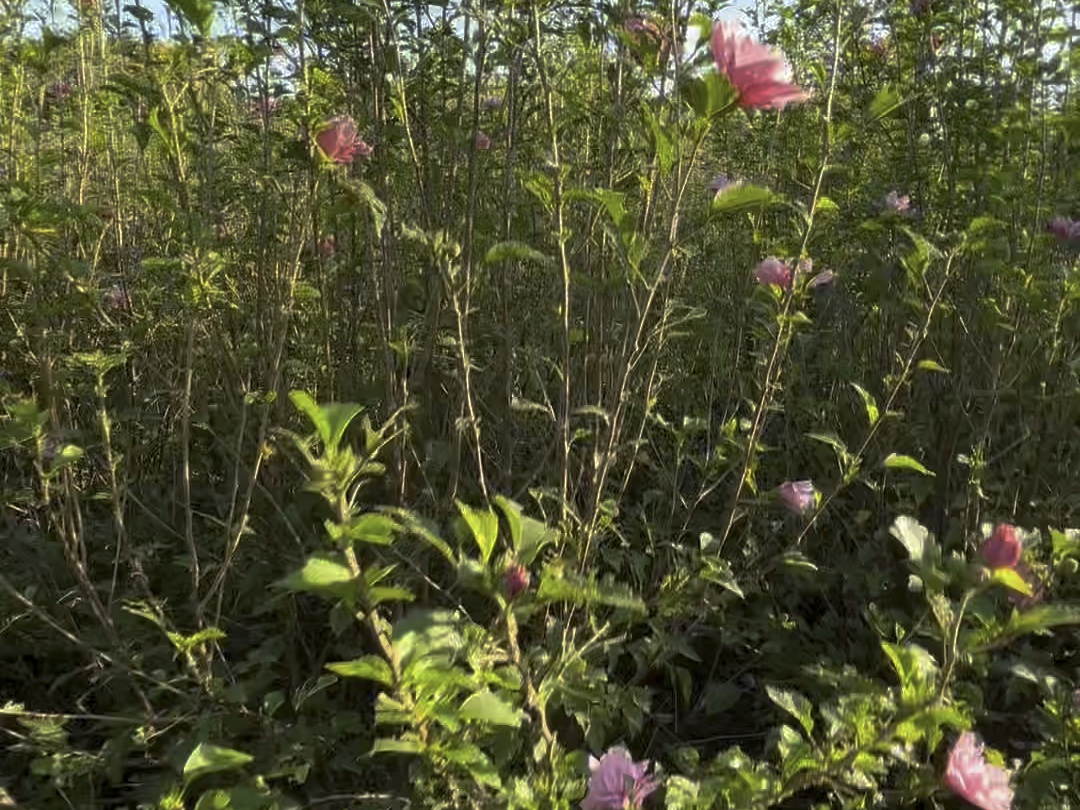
<point>535,406</point>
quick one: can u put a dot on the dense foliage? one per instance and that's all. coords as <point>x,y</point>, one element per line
<point>454,406</point>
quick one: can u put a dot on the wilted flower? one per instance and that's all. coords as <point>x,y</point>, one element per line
<point>1065,229</point>
<point>1002,549</point>
<point>338,140</point>
<point>798,496</point>
<point>896,203</point>
<point>482,141</point>
<point>515,579</point>
<point>755,70</point>
<point>822,279</point>
<point>617,782</point>
<point>364,149</point>
<point>936,43</point>
<point>973,779</point>
<point>773,271</point>
<point>327,245</point>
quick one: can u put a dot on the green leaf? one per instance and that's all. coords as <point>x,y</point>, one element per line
<point>931,365</point>
<point>559,585</point>
<point>913,535</point>
<point>484,526</point>
<point>385,746</point>
<point>378,596</point>
<point>885,102</point>
<point>896,461</point>
<point>370,667</point>
<point>371,527</point>
<point>423,633</point>
<point>206,759</point>
<point>1011,579</point>
<point>323,577</point>
<point>514,251</point>
<point>869,404</point>
<point>199,14</point>
<point>744,199</point>
<point>794,704</point>
<point>330,420</point>
<point>487,707</point>
<point>916,669</point>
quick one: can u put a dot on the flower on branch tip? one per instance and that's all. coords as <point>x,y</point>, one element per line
<point>338,140</point>
<point>756,71</point>
<point>1002,549</point>
<point>973,779</point>
<point>617,782</point>
<point>515,579</point>
<point>798,496</point>
<point>773,271</point>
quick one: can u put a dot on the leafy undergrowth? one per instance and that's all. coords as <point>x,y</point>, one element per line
<point>539,406</point>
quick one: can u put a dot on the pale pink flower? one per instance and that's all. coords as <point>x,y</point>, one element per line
<point>973,779</point>
<point>756,71</point>
<point>337,139</point>
<point>1002,549</point>
<point>327,246</point>
<point>1064,228</point>
<point>515,579</point>
<point>822,279</point>
<point>897,204</point>
<point>798,496</point>
<point>773,271</point>
<point>617,782</point>
<point>483,142</point>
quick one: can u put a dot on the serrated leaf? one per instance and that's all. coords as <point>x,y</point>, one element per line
<point>330,420</point>
<point>370,667</point>
<point>487,707</point>
<point>484,526</point>
<point>916,669</point>
<point>323,577</point>
<point>207,759</point>
<point>896,461</point>
<point>559,585</point>
<point>795,704</point>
